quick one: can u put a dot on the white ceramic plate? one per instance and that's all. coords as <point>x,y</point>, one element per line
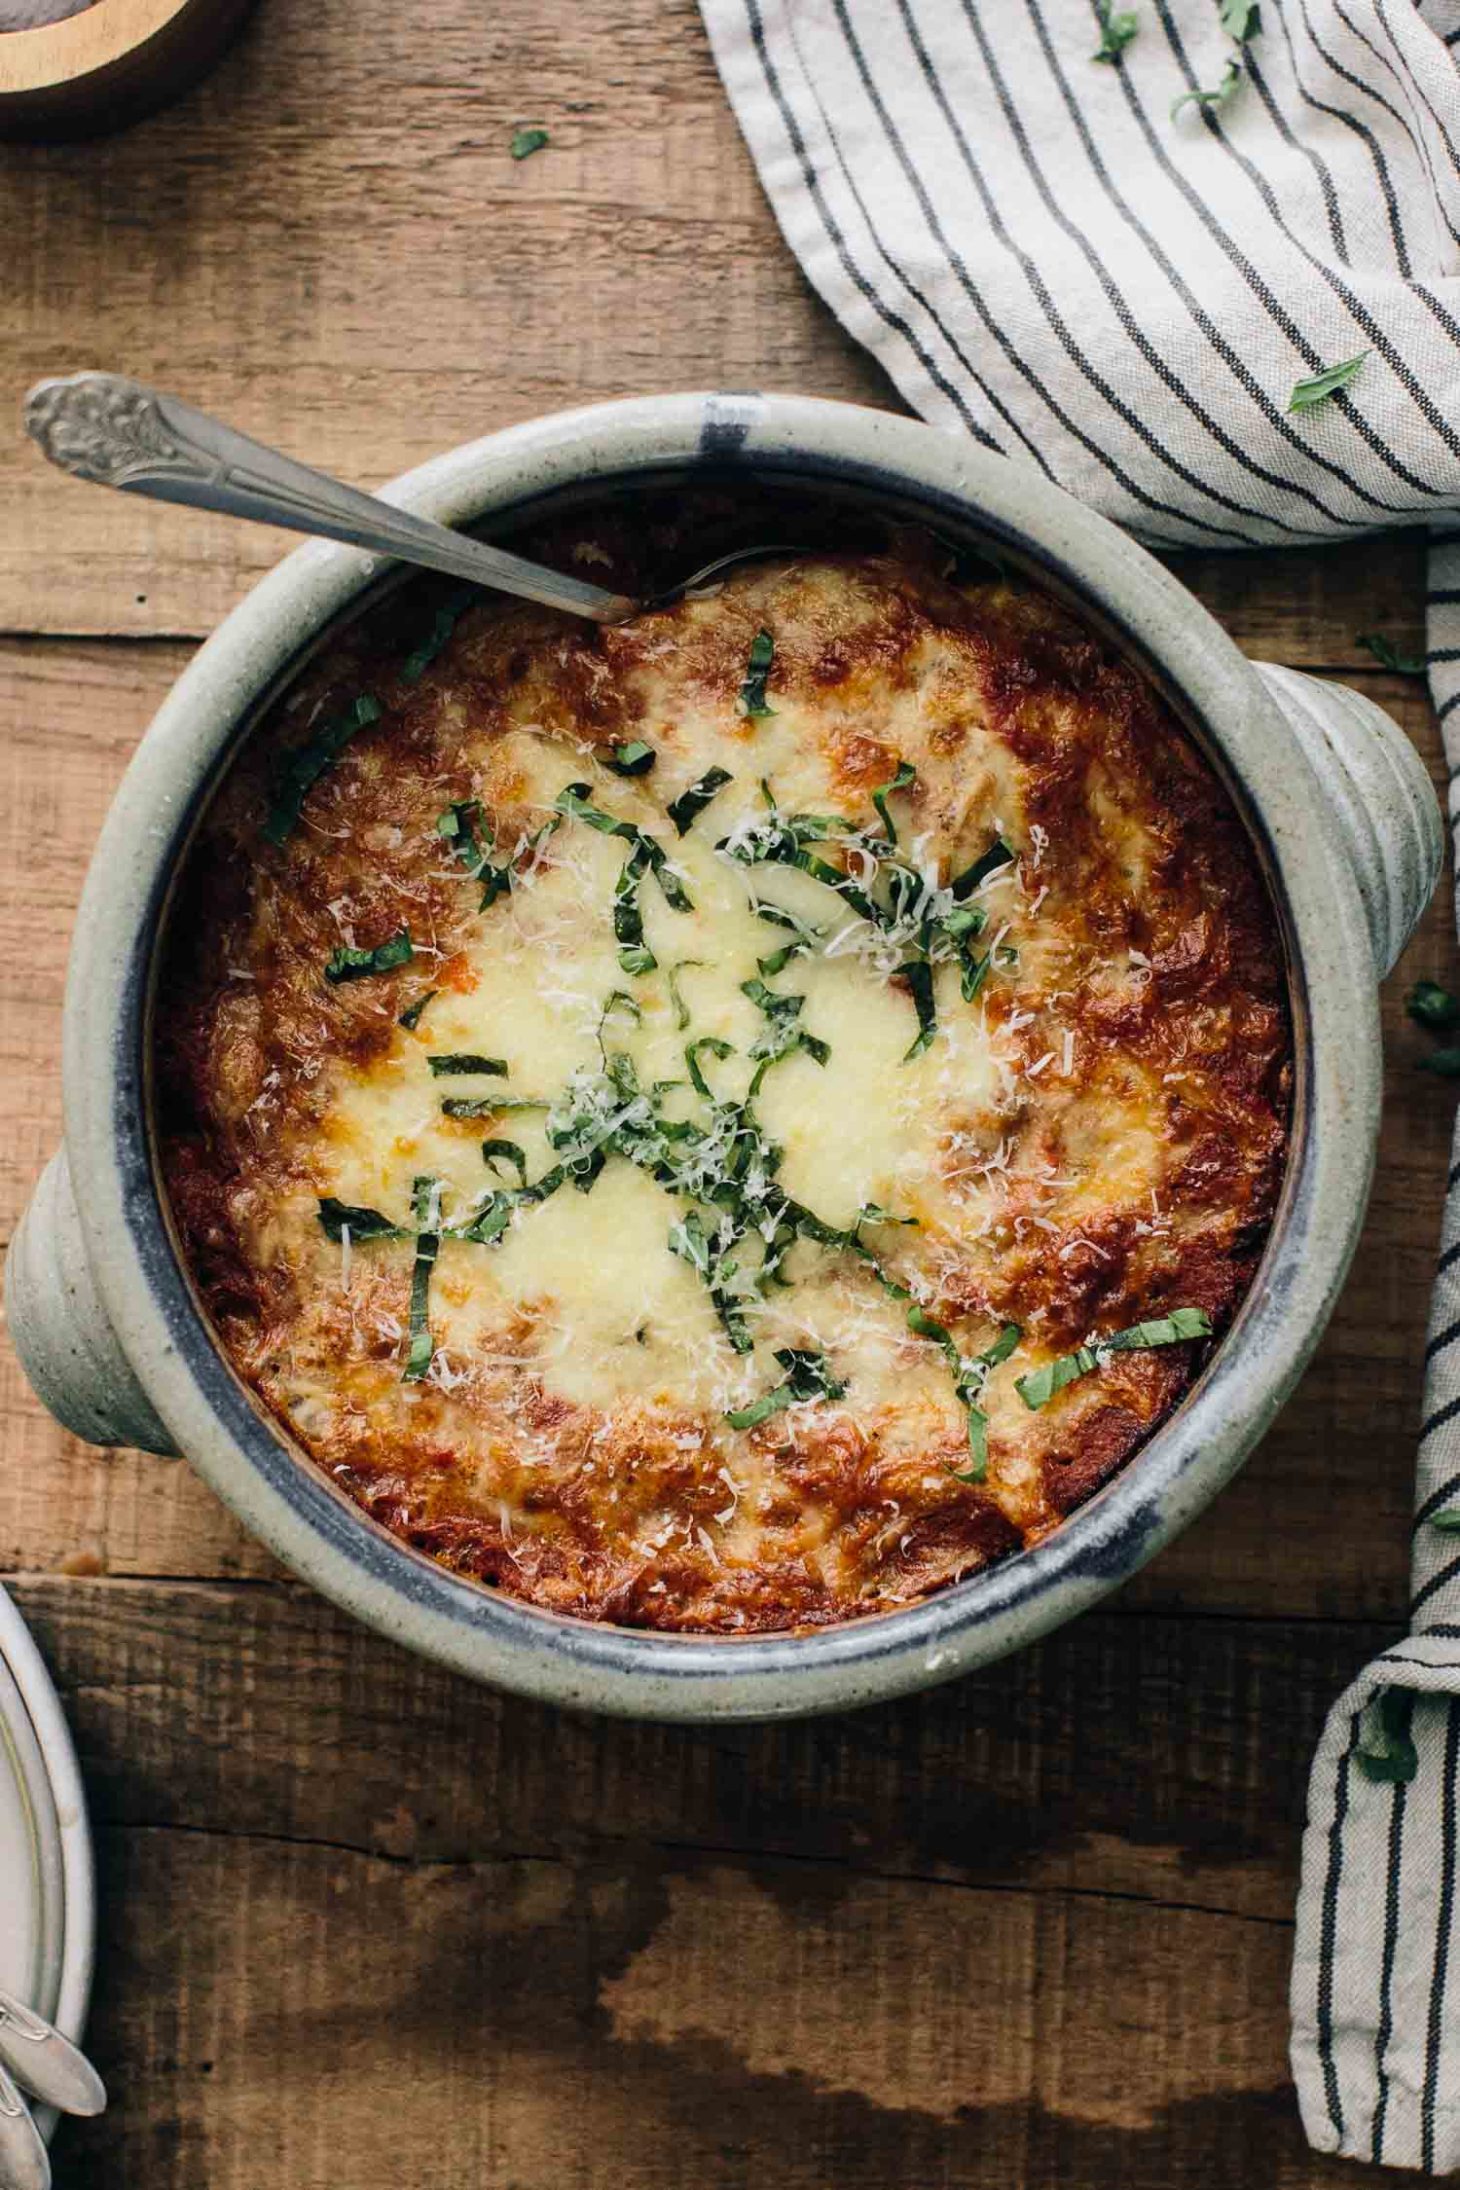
<point>47,1890</point>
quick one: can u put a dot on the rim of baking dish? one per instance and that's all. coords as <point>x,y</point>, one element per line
<point>308,1521</point>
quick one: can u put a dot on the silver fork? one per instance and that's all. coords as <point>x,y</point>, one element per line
<point>115,432</point>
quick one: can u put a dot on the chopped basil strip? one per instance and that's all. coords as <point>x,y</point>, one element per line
<point>905,776</point>
<point>671,977</point>
<point>1307,395</point>
<point>459,825</point>
<point>872,1212</point>
<point>574,801</point>
<point>998,855</point>
<point>1388,656</point>
<point>1040,1385</point>
<point>778,961</point>
<point>527,141</point>
<point>480,1106</point>
<point>619,1003</point>
<point>783,1035</point>
<point>634,759</point>
<point>426,1207</point>
<point>779,917</point>
<point>752,702</point>
<point>689,1240</point>
<point>919,978</point>
<point>1116,32</point>
<point>410,1018</point>
<point>461,1061</point>
<point>339,1217</point>
<point>808,1376</point>
<point>1386,1749</point>
<point>716,1048</point>
<point>634,955</point>
<point>1221,92</point>
<point>494,1152</point>
<point>491,1218</point>
<point>970,1374</point>
<point>347,964</point>
<point>1448,1520</point>
<point>416,664</point>
<point>302,769</point>
<point>1434,1007</point>
<point>683,810</point>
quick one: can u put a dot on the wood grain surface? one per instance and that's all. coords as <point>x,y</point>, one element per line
<point>362,1922</point>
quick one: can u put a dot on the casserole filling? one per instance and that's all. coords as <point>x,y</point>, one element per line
<point>735,1121</point>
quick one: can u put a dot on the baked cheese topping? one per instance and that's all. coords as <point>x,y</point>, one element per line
<point>735,1121</point>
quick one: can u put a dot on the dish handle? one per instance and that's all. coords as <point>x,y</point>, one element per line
<point>1381,793</point>
<point>62,1333</point>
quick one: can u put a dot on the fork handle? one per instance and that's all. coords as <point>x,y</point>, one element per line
<point>113,431</point>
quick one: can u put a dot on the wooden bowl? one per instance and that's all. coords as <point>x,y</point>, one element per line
<point>102,67</point>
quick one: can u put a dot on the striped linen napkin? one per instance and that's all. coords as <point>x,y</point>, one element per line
<point>1044,256</point>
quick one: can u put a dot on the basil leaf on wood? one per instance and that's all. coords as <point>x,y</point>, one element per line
<point>1433,1007</point>
<point>808,1376</point>
<point>1388,656</point>
<point>1040,1385</point>
<point>299,773</point>
<point>752,703</point>
<point>527,141</point>
<point>684,810</point>
<point>338,1217</point>
<point>1308,394</point>
<point>456,1062</point>
<point>1446,1062</point>
<point>348,964</point>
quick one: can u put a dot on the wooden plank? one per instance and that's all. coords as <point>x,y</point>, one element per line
<point>310,333</point>
<point>1316,1525</point>
<point>329,245</point>
<point>1028,1930</point>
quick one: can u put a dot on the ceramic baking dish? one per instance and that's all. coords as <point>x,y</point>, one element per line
<point>1346,828</point>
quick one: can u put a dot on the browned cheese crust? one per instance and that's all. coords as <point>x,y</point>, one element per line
<point>1091,1141</point>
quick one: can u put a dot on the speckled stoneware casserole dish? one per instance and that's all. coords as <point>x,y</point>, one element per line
<point>1344,824</point>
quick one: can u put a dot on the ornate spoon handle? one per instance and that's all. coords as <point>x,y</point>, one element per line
<point>24,2164</point>
<point>102,427</point>
<point>46,2063</point>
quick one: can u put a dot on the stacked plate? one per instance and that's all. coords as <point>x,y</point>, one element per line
<point>47,1892</point>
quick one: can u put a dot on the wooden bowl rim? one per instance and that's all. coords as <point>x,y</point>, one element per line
<point>53,54</point>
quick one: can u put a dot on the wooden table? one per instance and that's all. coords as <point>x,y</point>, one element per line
<point>362,1923</point>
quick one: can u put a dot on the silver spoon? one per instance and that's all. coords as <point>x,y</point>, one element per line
<point>111,430</point>
<point>24,2162</point>
<point>46,2063</point>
